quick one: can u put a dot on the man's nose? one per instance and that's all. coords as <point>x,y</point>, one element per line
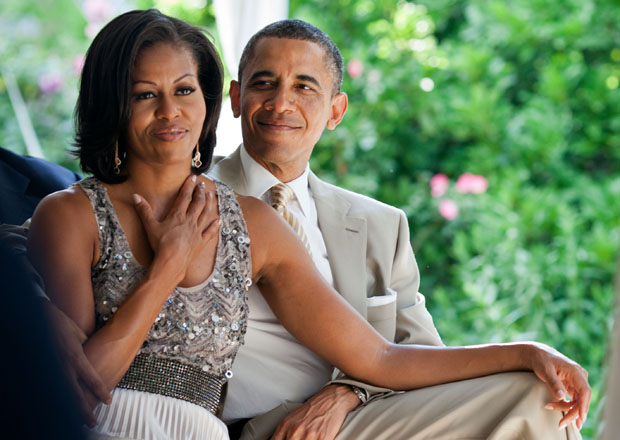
<point>167,108</point>
<point>281,101</point>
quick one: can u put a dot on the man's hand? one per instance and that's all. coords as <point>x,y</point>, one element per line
<point>321,416</point>
<point>563,376</point>
<point>85,381</point>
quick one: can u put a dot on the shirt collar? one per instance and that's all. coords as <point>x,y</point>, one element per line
<point>259,181</point>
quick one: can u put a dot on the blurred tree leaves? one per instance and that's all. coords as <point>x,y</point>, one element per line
<point>525,93</point>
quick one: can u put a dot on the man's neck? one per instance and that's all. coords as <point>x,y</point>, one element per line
<point>284,172</point>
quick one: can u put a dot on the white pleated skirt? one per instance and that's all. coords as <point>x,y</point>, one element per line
<point>138,415</point>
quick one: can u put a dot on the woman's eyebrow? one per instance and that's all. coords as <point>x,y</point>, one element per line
<point>154,84</point>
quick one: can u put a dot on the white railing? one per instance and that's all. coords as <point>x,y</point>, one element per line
<point>23,117</point>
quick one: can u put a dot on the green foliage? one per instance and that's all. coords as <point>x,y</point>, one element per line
<point>44,43</point>
<point>526,94</point>
<point>46,40</point>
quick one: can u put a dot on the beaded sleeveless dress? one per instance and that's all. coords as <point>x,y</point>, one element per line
<point>173,388</point>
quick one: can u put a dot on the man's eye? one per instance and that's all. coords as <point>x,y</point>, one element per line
<point>144,95</point>
<point>263,83</point>
<point>304,87</point>
<point>186,91</point>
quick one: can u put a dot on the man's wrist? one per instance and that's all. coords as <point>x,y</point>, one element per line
<point>344,395</point>
<point>361,393</point>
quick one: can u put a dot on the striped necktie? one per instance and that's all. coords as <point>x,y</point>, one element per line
<point>280,196</point>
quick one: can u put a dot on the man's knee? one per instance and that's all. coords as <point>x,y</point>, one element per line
<point>506,404</point>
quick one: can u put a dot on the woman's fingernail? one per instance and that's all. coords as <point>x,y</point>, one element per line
<point>137,199</point>
<point>548,406</point>
<point>194,178</point>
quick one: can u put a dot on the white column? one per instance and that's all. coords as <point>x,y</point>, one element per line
<point>237,21</point>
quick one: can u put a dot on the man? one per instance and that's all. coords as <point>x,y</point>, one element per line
<point>34,383</point>
<point>287,93</point>
<point>610,422</point>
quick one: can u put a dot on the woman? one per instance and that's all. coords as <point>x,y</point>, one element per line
<point>158,281</point>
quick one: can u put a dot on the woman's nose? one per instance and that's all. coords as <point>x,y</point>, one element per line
<point>167,108</point>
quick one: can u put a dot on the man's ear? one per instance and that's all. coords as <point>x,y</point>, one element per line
<point>235,94</point>
<point>340,102</point>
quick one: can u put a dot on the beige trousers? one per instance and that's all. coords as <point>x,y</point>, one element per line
<point>500,407</point>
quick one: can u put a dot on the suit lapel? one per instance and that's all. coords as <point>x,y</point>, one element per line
<point>344,234</point>
<point>345,239</point>
<point>230,171</point>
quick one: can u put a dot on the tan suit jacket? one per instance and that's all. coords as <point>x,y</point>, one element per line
<point>369,251</point>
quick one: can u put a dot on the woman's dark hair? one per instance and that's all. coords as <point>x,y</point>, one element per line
<point>103,107</point>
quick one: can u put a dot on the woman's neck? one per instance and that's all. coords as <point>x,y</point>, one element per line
<point>158,185</point>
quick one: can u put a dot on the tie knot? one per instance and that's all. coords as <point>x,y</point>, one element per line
<point>280,196</point>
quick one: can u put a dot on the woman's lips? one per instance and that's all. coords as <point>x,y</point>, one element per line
<point>170,134</point>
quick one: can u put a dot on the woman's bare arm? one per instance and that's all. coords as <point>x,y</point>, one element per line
<point>316,315</point>
<point>63,246</point>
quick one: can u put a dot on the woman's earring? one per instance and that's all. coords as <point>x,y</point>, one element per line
<point>117,161</point>
<point>196,162</point>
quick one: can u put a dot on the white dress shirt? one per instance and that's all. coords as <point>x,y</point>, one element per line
<point>272,366</point>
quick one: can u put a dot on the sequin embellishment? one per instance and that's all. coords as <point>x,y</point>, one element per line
<point>198,327</point>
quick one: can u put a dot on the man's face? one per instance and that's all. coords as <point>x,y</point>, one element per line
<point>285,100</point>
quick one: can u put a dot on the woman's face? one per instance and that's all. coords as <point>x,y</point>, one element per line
<point>168,107</point>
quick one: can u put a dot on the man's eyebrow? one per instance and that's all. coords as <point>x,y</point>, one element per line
<point>309,78</point>
<point>175,81</point>
<point>270,74</point>
<point>262,73</point>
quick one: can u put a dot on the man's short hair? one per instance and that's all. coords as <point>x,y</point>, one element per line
<point>298,30</point>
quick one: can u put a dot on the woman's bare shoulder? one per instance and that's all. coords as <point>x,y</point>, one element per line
<point>257,213</point>
<point>65,215</point>
<point>71,203</point>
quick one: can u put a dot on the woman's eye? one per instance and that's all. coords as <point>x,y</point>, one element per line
<point>186,90</point>
<point>144,95</point>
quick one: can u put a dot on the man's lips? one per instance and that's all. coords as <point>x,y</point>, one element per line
<point>278,125</point>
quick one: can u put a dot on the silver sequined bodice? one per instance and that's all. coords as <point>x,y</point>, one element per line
<point>201,326</point>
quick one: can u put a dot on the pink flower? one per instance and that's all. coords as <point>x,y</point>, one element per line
<point>78,64</point>
<point>50,83</point>
<point>355,68</point>
<point>471,183</point>
<point>448,209</point>
<point>439,185</point>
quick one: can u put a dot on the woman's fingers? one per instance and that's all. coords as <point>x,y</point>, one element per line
<point>569,416</point>
<point>84,402</point>
<point>209,211</point>
<point>583,408</point>
<point>559,406</point>
<point>553,381</point>
<point>197,204</point>
<point>91,379</point>
<point>561,375</point>
<point>144,212</point>
<point>211,231</point>
<point>184,198</point>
